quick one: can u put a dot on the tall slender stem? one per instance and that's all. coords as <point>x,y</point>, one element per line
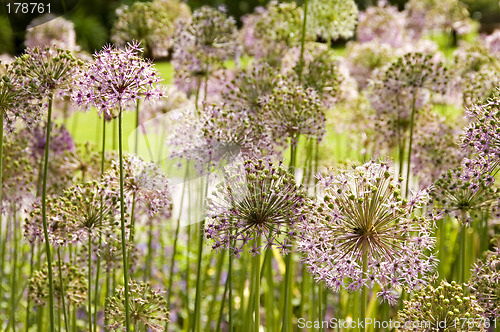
<point>412,124</point>
<point>122,225</point>
<point>61,285</point>
<point>256,262</point>
<point>89,279</point>
<point>13,291</point>
<point>364,294</point>
<point>303,42</point>
<point>48,253</point>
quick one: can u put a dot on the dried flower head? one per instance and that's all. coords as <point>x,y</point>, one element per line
<point>147,22</point>
<point>116,79</point>
<point>148,308</point>
<point>85,210</point>
<point>257,199</point>
<point>292,110</point>
<point>465,191</point>
<point>446,307</point>
<point>405,86</point>
<point>49,30</point>
<point>485,283</point>
<point>74,284</point>
<point>364,233</point>
<point>332,19</point>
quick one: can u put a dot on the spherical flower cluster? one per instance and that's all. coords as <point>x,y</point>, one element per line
<point>49,30</point>
<point>482,134</point>
<point>143,181</point>
<point>83,211</point>
<point>492,43</point>
<point>256,200</point>
<point>429,15</point>
<point>465,191</point>
<point>116,79</point>
<point>332,19</point>
<point>319,70</point>
<point>446,307</point>
<point>485,283</point>
<point>148,308</point>
<point>202,46</point>
<point>435,148</point>
<point>364,233</point>
<point>363,58</point>
<point>292,110</point>
<point>405,87</point>
<point>147,22</point>
<point>479,87</point>
<point>74,283</point>
<point>384,24</point>
<point>472,57</point>
<point>60,140</point>
<point>51,71</point>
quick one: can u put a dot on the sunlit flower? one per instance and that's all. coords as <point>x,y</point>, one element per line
<point>485,283</point>
<point>332,19</point>
<point>50,30</point>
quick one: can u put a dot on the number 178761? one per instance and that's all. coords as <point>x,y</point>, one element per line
<point>28,8</point>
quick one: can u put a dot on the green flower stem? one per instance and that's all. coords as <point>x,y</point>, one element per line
<point>122,225</point>
<point>61,285</point>
<point>28,297</point>
<point>174,250</point>
<point>136,148</point>
<point>13,289</point>
<point>230,285</point>
<point>197,301</point>
<point>320,301</point>
<point>270,303</point>
<point>48,253</point>
<point>98,267</point>
<point>256,268</point>
<point>90,280</point>
<point>462,245</point>
<point>213,304</point>
<point>364,293</point>
<point>223,302</point>
<point>303,42</point>
<point>412,125</point>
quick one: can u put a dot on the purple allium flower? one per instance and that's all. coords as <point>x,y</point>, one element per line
<point>483,133</point>
<point>364,217</point>
<point>465,191</point>
<point>257,199</point>
<point>60,140</point>
<point>441,308</point>
<point>148,307</point>
<point>144,181</point>
<point>485,283</point>
<point>202,46</point>
<point>405,85</point>
<point>117,79</point>
<point>332,19</point>
<point>292,110</point>
<point>147,22</point>
<point>89,209</point>
<point>382,23</point>
<point>435,148</point>
<point>74,284</point>
<point>492,43</point>
<point>49,30</point>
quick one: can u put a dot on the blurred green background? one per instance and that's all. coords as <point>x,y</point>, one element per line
<point>93,19</point>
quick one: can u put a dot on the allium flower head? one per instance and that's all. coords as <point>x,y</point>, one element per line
<point>50,30</point>
<point>74,283</point>
<point>88,209</point>
<point>485,283</point>
<point>385,24</point>
<point>148,308</point>
<point>144,181</point>
<point>116,79</point>
<point>435,148</point>
<point>60,140</point>
<point>203,44</point>
<point>257,199</point>
<point>363,216</point>
<point>465,191</point>
<point>482,135</point>
<point>492,43</point>
<point>51,70</point>
<point>332,19</point>
<point>446,307</point>
<point>293,111</point>
<point>405,84</point>
<point>147,22</point>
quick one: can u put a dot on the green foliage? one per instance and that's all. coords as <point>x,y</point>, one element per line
<point>91,34</point>
<point>6,36</point>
